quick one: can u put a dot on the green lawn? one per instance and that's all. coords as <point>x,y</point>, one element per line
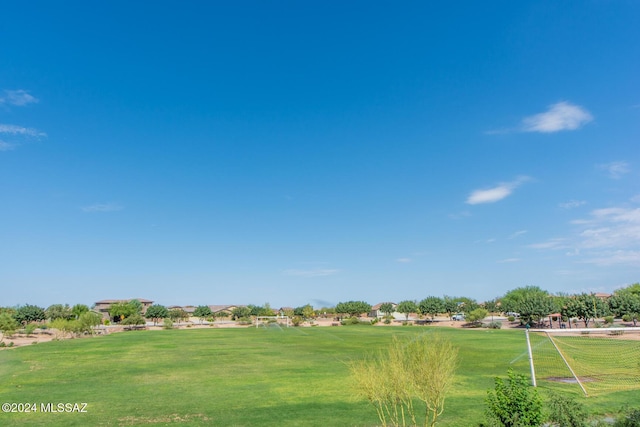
<point>243,377</point>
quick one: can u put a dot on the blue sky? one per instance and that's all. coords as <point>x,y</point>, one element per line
<point>315,152</point>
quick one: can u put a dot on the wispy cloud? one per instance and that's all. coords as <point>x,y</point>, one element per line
<point>517,234</point>
<point>560,116</point>
<point>404,260</point>
<point>555,243</point>
<point>316,272</point>
<point>495,194</point>
<point>615,170</point>
<point>13,136</point>
<point>571,204</point>
<point>608,236</point>
<point>102,207</point>
<point>19,130</point>
<point>18,97</point>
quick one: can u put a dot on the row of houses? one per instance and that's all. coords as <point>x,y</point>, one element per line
<point>104,306</point>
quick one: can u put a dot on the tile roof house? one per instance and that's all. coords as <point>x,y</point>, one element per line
<point>104,305</point>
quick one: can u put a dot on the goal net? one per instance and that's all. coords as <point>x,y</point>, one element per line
<point>595,360</point>
<point>271,321</point>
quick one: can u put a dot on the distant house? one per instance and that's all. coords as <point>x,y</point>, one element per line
<point>104,306</point>
<point>376,312</point>
<point>220,310</point>
<point>602,295</point>
<point>189,309</point>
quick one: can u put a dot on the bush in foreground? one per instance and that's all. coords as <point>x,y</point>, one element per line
<point>418,370</point>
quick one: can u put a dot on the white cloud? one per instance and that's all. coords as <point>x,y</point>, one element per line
<point>608,236</point>
<point>317,272</point>
<point>615,170</point>
<point>555,243</point>
<point>559,116</point>
<point>404,260</point>
<point>606,259</point>
<point>572,204</point>
<point>102,207</point>
<point>613,228</point>
<point>16,135</point>
<point>495,194</point>
<point>517,234</point>
<point>17,97</point>
<point>19,130</point>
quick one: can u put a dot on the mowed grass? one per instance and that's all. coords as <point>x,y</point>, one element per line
<point>244,377</point>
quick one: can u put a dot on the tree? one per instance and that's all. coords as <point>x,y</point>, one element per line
<point>431,306</point>
<point>202,312</point>
<point>88,320</point>
<point>514,403</point>
<point>407,307</point>
<point>308,312</point>
<point>29,313</point>
<point>531,302</point>
<point>625,303</point>
<point>454,305</point>
<point>386,308</point>
<point>8,325</point>
<point>177,314</point>
<point>137,306</point>
<point>477,315</point>
<point>450,305</point>
<point>58,311</point>
<point>240,312</point>
<point>585,307</point>
<point>353,308</point>
<point>78,309</point>
<point>156,312</point>
<point>120,310</point>
<point>492,306</point>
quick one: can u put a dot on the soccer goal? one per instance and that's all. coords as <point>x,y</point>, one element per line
<point>272,321</point>
<point>597,360</point>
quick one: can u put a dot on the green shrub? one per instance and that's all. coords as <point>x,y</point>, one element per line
<point>494,325</point>
<point>30,328</point>
<point>297,320</point>
<point>608,320</point>
<point>134,319</point>
<point>511,319</point>
<point>350,321</point>
<point>627,318</point>
<point>565,411</point>
<point>387,321</point>
<point>514,403</point>
<point>167,324</point>
<point>631,419</point>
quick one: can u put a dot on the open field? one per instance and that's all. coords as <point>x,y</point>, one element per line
<point>244,377</point>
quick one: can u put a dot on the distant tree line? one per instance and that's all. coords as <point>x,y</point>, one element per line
<point>531,303</point>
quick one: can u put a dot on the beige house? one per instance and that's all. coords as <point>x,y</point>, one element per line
<point>104,305</point>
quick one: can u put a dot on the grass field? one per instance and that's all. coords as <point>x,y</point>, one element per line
<point>244,377</point>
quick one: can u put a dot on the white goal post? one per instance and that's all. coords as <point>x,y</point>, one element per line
<point>596,359</point>
<point>261,320</point>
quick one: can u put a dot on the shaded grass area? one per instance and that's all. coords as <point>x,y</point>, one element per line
<point>243,377</point>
